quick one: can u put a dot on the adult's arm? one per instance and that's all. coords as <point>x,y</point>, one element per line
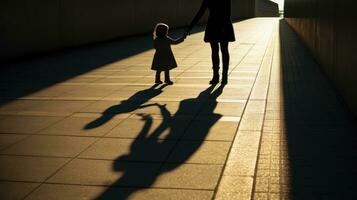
<point>198,16</point>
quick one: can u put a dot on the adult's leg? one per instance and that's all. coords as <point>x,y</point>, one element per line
<point>225,61</point>
<point>215,62</point>
<point>157,77</point>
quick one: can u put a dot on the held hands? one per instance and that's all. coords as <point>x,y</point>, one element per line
<point>185,34</point>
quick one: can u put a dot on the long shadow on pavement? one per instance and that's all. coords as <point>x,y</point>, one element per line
<point>131,104</point>
<point>151,145</point>
<point>321,137</point>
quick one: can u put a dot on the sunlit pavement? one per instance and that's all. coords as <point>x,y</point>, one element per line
<point>274,132</point>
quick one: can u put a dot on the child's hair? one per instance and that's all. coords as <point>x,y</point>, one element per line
<point>160,30</point>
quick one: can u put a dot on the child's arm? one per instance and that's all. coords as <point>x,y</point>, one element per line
<point>177,41</point>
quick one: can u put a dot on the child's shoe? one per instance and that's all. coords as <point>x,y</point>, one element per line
<point>169,82</point>
<point>158,81</point>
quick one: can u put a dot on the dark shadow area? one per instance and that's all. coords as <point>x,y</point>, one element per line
<point>28,75</point>
<point>134,102</point>
<point>321,136</point>
<point>157,151</point>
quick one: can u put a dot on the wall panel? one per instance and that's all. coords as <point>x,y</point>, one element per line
<point>329,30</point>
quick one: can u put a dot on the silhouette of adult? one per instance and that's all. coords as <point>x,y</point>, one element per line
<point>219,32</point>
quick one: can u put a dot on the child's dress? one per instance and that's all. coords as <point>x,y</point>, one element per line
<point>164,59</point>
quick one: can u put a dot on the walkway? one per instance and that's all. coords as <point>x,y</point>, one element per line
<point>90,124</point>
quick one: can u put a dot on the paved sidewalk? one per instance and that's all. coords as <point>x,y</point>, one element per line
<point>105,131</point>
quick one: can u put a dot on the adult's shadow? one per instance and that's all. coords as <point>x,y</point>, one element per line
<point>151,146</point>
<point>126,106</point>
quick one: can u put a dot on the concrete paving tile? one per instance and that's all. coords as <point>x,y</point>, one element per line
<point>252,122</point>
<point>205,152</point>
<point>223,108</point>
<point>7,140</point>
<point>52,91</point>
<point>16,106</point>
<point>196,74</point>
<point>240,153</point>
<point>62,146</point>
<point>235,187</point>
<point>233,93</point>
<point>117,80</point>
<point>106,173</point>
<point>133,71</point>
<point>179,194</point>
<point>241,167</point>
<point>241,82</point>
<point>75,192</point>
<point>112,107</point>
<point>99,72</point>
<point>247,139</point>
<point>26,124</point>
<point>211,130</point>
<point>156,129</point>
<point>129,149</point>
<point>261,196</point>
<point>83,79</point>
<point>233,196</point>
<point>255,107</point>
<point>43,107</point>
<point>246,74</point>
<point>185,80</point>
<point>247,65</point>
<point>16,190</point>
<point>182,92</point>
<point>261,184</point>
<point>59,106</point>
<point>36,169</point>
<point>84,125</point>
<point>149,80</point>
<point>190,176</point>
<point>88,93</point>
<point>174,107</point>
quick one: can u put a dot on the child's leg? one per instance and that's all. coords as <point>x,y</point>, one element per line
<point>157,77</point>
<point>167,77</point>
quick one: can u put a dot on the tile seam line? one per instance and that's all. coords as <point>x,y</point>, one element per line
<point>93,143</point>
<point>274,36</point>
<point>103,159</point>
<point>71,159</point>
<point>30,135</point>
<point>245,55</point>
<point>107,137</point>
<point>255,81</point>
<point>123,187</point>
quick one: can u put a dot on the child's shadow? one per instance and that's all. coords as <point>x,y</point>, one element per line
<point>134,178</point>
<point>126,106</point>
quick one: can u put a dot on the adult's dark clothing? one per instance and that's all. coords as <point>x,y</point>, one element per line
<point>219,25</point>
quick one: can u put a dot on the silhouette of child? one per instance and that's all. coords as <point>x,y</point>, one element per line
<point>164,59</point>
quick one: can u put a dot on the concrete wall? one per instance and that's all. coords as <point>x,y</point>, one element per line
<point>266,8</point>
<point>34,26</point>
<point>243,9</point>
<point>42,25</point>
<point>328,28</point>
